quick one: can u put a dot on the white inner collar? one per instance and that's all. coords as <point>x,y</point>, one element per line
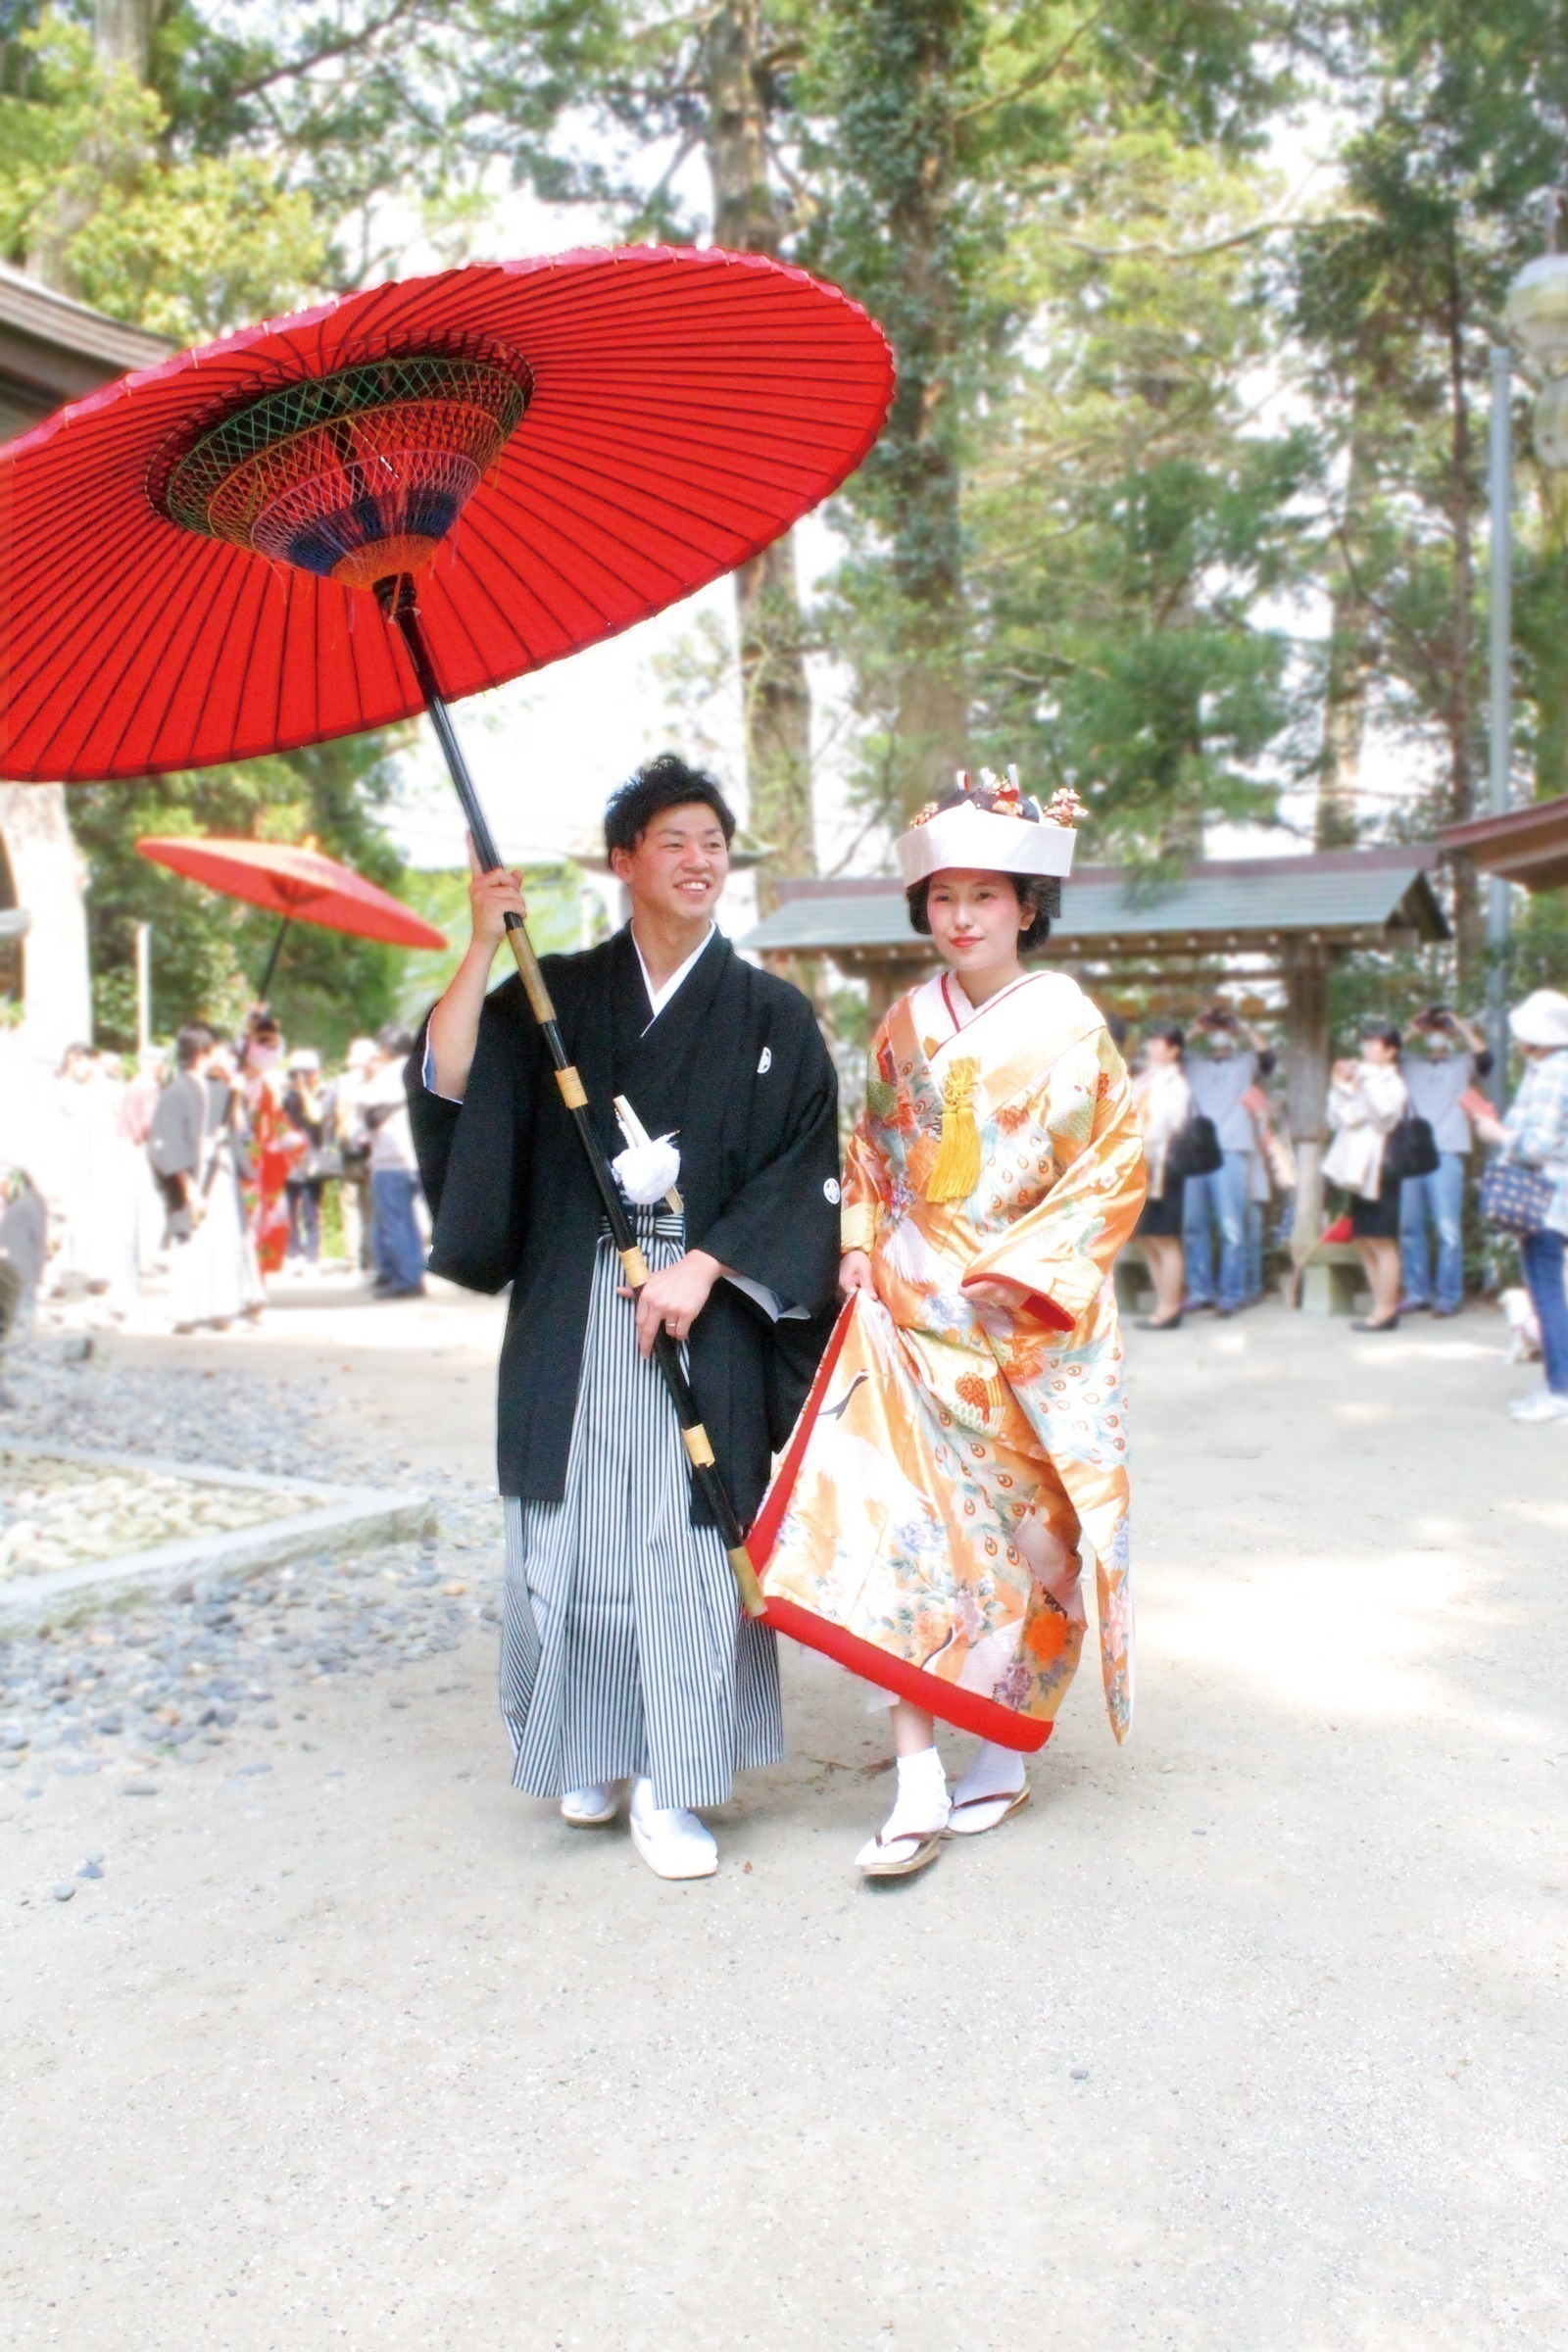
<point>658,998</point>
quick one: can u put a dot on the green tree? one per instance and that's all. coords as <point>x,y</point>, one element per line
<point>164,173</point>
<point>1126,517</point>
<point>954,136</point>
<point>91,197</point>
<point>1456,126</point>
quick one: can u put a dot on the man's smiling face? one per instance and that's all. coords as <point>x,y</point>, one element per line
<point>679,866</point>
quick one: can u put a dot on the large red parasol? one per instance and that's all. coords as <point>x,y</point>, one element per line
<point>584,439</point>
<point>514,461</point>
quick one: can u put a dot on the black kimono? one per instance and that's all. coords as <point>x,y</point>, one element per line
<point>621,1652</point>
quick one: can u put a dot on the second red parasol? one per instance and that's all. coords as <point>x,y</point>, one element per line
<point>297,883</point>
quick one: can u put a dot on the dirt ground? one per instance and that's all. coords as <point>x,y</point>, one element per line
<point>1247,2037</point>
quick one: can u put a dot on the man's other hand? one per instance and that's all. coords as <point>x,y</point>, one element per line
<point>674,1297</point>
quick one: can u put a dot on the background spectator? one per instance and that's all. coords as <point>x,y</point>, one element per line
<point>394,1175</point>
<point>1221,1076</point>
<point>1165,1102</point>
<point>305,1106</point>
<point>1534,1135</point>
<point>353,1141</point>
<point>1443,1057</point>
<point>1366,1103</point>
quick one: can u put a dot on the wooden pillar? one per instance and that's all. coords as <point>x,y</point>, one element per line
<point>886,978</point>
<point>1307,964</point>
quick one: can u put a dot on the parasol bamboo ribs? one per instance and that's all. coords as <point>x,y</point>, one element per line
<point>398,600</point>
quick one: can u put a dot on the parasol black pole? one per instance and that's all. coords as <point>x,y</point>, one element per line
<point>271,960</point>
<point>398,602</point>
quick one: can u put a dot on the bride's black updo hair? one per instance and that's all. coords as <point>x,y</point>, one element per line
<point>1039,895</point>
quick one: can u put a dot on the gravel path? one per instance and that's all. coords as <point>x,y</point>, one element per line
<point>226,1656</point>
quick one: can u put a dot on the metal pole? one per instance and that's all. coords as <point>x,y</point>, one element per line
<point>397,600</point>
<point>144,987</point>
<point>1499,724</point>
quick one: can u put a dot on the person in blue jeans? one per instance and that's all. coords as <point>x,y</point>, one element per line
<point>1221,1076</point>
<point>393,1173</point>
<point>1444,1057</point>
<point>1534,1135</point>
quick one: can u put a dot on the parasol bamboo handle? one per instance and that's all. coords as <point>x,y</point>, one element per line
<point>396,600</point>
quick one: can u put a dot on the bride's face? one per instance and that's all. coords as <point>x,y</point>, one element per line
<point>975,919</point>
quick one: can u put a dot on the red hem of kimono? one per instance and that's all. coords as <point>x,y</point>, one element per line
<point>967,1710</point>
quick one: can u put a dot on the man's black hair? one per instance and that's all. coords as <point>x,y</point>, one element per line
<point>190,1043</point>
<point>394,1039</point>
<point>1170,1031</point>
<point>660,784</point>
<point>1039,895</point>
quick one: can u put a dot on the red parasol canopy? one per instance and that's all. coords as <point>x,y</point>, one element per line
<point>556,448</point>
<point>298,884</point>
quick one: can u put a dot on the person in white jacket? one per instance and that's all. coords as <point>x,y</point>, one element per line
<point>1368,1100</point>
<point>1164,1102</point>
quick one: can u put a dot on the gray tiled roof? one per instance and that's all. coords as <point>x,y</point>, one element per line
<point>1240,904</point>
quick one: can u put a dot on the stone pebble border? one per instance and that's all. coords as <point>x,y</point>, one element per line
<point>344,1518</point>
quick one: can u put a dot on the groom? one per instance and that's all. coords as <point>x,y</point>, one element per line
<point>623,1652</point>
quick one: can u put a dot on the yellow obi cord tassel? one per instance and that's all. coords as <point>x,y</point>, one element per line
<point>955,1171</point>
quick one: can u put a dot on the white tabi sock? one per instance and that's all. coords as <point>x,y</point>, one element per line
<point>994,1772</point>
<point>922,1799</point>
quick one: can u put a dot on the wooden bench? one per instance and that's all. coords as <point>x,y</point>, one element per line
<point>1330,1281</point>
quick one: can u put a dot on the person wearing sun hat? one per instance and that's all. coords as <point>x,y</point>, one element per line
<point>967,1426</point>
<point>1534,1135</point>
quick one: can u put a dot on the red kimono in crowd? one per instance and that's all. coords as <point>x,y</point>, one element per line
<point>275,1145</point>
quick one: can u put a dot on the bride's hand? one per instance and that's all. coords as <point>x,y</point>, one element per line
<point>854,1273</point>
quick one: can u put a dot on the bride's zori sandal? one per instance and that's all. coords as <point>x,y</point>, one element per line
<point>898,1857</point>
<point>910,1837</point>
<point>972,1816</point>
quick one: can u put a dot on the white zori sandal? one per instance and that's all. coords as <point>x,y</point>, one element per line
<point>911,1835</point>
<point>992,1787</point>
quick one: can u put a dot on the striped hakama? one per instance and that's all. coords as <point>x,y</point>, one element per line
<point>624,1645</point>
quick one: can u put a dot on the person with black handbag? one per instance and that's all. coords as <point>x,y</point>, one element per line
<point>1444,1057</point>
<point>1368,1102</point>
<point>1524,1191</point>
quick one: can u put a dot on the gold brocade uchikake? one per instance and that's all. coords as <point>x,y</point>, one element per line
<point>955,1171</point>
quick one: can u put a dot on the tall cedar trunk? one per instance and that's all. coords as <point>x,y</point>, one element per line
<point>1469,920</point>
<point>121,42</point>
<point>1344,693</point>
<point>46,866</point>
<point>123,34</point>
<point>776,696</point>
<point>928,41</point>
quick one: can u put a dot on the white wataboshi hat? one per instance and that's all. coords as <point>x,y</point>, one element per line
<point>995,829</point>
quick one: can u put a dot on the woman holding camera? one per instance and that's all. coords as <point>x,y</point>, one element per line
<point>1164,1102</point>
<point>1368,1100</point>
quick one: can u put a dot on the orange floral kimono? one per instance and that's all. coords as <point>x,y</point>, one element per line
<point>924,1526</point>
<point>276,1144</point>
